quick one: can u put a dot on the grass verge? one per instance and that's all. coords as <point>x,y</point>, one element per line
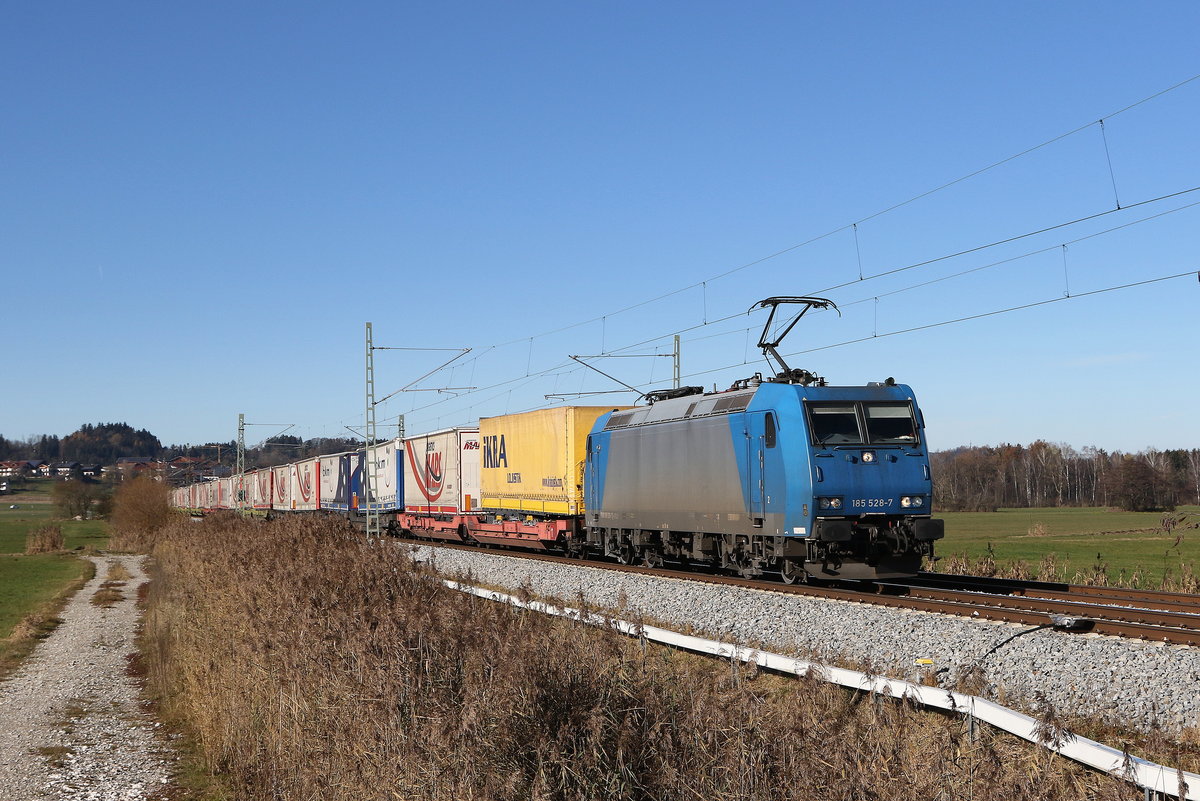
<point>35,587</point>
<point>1082,545</point>
<point>33,591</point>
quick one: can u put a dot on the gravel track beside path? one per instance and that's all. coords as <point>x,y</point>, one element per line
<point>71,725</point>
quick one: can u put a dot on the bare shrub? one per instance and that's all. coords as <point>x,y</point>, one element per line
<point>960,564</point>
<point>1017,569</point>
<point>1183,579</point>
<point>141,508</point>
<point>1095,575</point>
<point>46,539</point>
<point>1049,569</point>
<point>1039,529</point>
<point>311,664</point>
<point>73,498</point>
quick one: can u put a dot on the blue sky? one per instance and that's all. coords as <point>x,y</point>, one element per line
<point>203,205</point>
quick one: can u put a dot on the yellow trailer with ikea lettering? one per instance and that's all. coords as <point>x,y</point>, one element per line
<point>531,476</point>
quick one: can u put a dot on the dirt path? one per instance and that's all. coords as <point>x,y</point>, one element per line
<point>71,726</point>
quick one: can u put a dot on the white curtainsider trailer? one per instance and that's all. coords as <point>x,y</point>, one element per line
<point>260,488</point>
<point>441,483</point>
<point>281,486</point>
<point>441,471</point>
<point>306,486</point>
<point>386,472</point>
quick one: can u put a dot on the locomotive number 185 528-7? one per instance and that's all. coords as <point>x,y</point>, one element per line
<point>871,503</point>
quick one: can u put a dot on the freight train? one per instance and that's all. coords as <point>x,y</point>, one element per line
<point>783,476</point>
<point>814,481</point>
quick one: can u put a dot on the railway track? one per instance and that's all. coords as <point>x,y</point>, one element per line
<point>1146,615</point>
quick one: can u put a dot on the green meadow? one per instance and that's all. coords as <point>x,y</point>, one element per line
<point>34,587</point>
<point>1132,547</point>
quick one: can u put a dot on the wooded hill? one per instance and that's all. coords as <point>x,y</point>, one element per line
<point>104,443</point>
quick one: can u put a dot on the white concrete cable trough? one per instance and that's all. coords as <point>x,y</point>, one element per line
<point>1147,775</point>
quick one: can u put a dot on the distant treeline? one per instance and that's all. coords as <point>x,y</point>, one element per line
<point>1045,474</point>
<point>104,443</point>
<point>272,451</point>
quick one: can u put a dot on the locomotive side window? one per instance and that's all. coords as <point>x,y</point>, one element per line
<point>769,435</point>
<point>890,423</point>
<point>834,424</point>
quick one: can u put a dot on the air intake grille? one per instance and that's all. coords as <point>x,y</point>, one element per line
<point>733,403</point>
<point>619,420</point>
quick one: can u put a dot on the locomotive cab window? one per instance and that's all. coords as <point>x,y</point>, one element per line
<point>834,424</point>
<point>890,423</point>
<point>769,434</point>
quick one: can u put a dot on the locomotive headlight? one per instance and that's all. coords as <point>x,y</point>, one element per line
<point>909,501</point>
<point>829,503</point>
<point>868,456</point>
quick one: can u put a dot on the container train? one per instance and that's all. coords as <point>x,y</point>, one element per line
<point>782,476</point>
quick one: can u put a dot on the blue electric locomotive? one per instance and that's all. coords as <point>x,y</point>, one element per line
<point>786,475</point>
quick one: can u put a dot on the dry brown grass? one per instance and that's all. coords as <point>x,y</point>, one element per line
<point>108,595</point>
<point>310,665</point>
<point>46,539</point>
<point>117,572</point>
<point>141,508</point>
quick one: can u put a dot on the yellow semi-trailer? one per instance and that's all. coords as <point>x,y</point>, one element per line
<point>531,475</point>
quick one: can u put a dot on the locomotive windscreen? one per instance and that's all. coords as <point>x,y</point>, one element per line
<point>835,423</point>
<point>891,424</point>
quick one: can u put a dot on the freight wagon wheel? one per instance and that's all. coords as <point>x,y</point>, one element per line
<point>790,572</point>
<point>625,554</point>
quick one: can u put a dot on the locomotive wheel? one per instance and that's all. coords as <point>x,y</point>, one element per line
<point>625,555</point>
<point>790,572</point>
<point>651,558</point>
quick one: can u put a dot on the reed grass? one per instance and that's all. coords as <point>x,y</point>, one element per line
<point>307,663</point>
<point>45,539</point>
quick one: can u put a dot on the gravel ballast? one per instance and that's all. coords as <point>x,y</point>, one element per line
<point>1126,682</point>
<point>71,726</point>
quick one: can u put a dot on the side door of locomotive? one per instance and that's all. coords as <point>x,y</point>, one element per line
<point>756,458</point>
<point>764,489</point>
